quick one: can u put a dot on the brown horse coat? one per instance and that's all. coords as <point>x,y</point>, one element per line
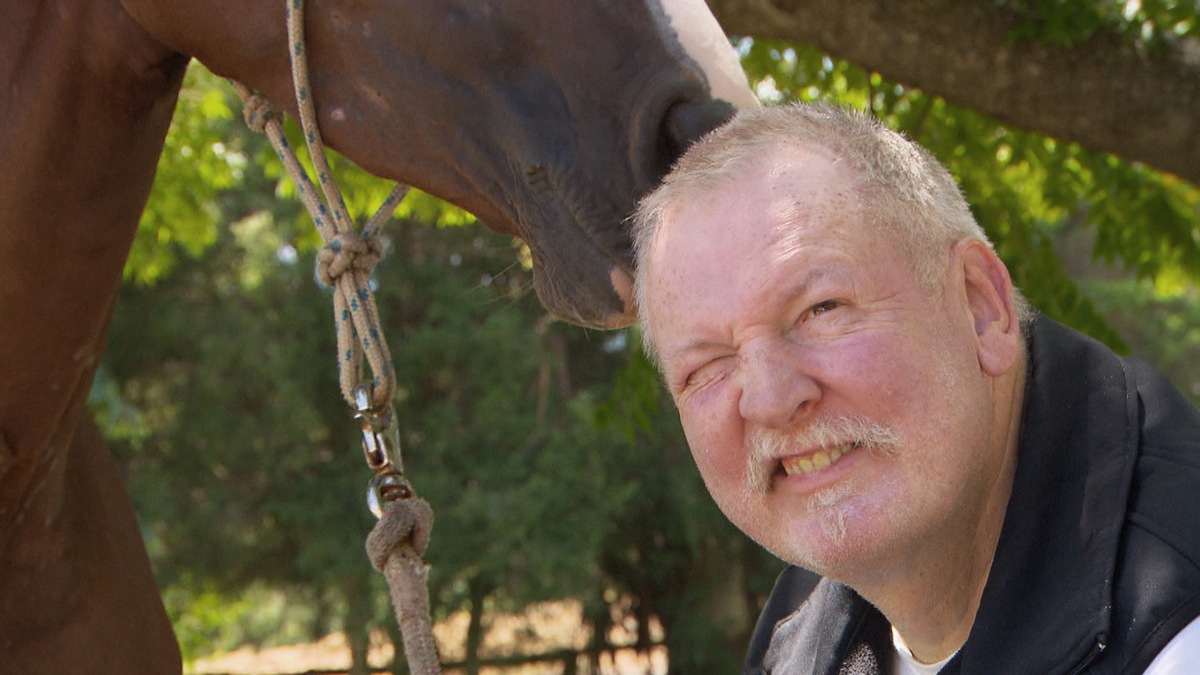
<point>579,110</point>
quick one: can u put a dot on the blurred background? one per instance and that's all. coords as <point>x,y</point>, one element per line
<point>573,534</point>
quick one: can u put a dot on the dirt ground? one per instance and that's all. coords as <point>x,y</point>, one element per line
<point>542,629</point>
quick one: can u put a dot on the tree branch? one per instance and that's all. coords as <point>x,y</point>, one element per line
<point>1102,93</point>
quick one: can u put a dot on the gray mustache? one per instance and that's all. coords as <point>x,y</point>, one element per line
<point>767,445</point>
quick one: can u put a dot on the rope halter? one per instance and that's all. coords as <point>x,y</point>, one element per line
<point>345,263</point>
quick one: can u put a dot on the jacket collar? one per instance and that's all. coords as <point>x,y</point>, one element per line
<point>1048,599</point>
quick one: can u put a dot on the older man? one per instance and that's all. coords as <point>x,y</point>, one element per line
<point>868,397</point>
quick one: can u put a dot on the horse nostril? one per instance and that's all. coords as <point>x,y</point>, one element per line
<point>686,122</point>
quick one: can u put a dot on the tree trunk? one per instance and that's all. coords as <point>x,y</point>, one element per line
<point>478,590</point>
<point>1103,93</point>
<point>357,625</point>
<point>600,619</point>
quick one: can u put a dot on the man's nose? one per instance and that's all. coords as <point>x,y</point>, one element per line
<point>776,389</point>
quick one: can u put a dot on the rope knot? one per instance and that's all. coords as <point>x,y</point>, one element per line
<point>404,529</point>
<point>258,111</point>
<point>346,251</point>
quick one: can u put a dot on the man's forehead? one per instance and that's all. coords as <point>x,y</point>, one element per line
<point>753,239</point>
<point>782,196</point>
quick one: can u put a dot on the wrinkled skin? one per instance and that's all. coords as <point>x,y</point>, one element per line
<point>545,123</point>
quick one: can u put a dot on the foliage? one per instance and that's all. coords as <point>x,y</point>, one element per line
<point>245,470</point>
<point>491,421</point>
<point>196,167</point>
<point>209,620</point>
<point>1162,325</point>
<point>1069,22</point>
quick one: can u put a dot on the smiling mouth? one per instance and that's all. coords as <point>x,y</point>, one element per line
<point>821,459</point>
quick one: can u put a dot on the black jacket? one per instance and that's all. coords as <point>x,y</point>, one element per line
<point>1098,563</point>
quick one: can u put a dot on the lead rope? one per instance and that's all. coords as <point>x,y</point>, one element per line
<point>398,541</point>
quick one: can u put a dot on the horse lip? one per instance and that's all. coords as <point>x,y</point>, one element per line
<point>585,299</point>
<point>580,316</point>
<point>577,233</point>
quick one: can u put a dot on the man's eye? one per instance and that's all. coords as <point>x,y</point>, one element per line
<point>696,378</point>
<point>823,307</point>
<point>703,375</point>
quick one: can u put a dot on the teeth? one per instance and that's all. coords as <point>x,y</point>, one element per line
<point>816,461</point>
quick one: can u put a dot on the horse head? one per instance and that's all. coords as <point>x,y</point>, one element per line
<point>546,119</point>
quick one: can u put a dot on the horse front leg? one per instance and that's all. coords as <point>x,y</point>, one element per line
<point>80,597</point>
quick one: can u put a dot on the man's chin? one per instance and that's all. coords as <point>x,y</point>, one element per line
<point>829,536</point>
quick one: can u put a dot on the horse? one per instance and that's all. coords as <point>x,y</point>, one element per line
<point>545,119</point>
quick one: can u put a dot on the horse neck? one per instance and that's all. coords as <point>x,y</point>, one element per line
<point>87,101</point>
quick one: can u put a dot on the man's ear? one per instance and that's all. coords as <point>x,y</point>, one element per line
<point>989,296</point>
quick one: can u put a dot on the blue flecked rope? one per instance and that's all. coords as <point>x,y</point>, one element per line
<point>349,255</point>
<point>398,541</point>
